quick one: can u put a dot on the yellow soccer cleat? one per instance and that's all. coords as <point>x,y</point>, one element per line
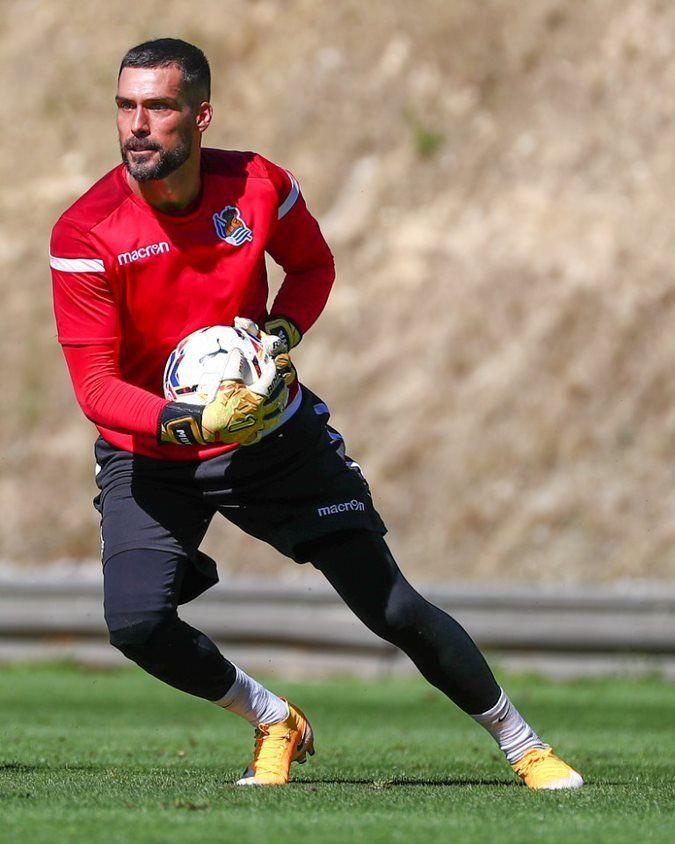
<point>541,768</point>
<point>276,746</point>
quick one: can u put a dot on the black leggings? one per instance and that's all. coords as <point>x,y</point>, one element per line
<point>361,569</point>
<point>143,622</point>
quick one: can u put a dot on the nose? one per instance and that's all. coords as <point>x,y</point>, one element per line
<point>139,125</point>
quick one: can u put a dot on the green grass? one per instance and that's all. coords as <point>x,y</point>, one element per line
<point>117,757</point>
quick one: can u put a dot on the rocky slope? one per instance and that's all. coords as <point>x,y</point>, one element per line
<point>495,179</point>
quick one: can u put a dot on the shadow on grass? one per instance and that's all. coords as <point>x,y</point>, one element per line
<point>20,767</point>
<point>393,783</point>
<point>399,783</point>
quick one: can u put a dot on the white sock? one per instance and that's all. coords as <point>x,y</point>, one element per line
<point>253,702</point>
<point>509,729</point>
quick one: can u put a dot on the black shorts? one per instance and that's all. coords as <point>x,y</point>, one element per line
<point>295,485</point>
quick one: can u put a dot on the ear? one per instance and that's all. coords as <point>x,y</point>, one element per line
<point>204,115</point>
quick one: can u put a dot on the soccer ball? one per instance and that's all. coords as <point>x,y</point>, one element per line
<point>203,359</point>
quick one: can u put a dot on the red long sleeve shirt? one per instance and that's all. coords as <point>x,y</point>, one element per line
<point>131,281</point>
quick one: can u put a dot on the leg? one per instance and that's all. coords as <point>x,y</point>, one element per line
<point>361,569</point>
<point>141,588</point>
<point>153,519</point>
<point>310,501</point>
<point>140,597</point>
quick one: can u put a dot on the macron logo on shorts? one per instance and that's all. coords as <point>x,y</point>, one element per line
<point>143,252</point>
<point>343,507</point>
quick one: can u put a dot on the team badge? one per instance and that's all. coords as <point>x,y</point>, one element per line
<point>230,226</point>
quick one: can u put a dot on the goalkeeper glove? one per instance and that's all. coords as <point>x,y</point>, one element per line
<point>279,336</point>
<point>285,330</point>
<point>238,414</point>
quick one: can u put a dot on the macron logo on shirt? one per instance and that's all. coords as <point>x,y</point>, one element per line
<point>143,252</point>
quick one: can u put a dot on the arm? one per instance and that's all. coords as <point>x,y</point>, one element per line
<point>104,397</point>
<point>86,319</point>
<point>297,245</point>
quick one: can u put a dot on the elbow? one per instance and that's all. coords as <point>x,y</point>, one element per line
<point>329,263</point>
<point>89,412</point>
<point>330,269</point>
<point>87,406</point>
<point>93,373</point>
<point>90,394</point>
<point>326,267</point>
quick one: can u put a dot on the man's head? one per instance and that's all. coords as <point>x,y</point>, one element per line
<point>163,93</point>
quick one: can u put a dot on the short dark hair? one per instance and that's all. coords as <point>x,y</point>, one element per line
<point>163,52</point>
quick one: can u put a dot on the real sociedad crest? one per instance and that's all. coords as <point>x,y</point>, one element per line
<point>230,226</point>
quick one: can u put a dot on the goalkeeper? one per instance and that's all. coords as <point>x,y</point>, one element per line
<point>173,240</point>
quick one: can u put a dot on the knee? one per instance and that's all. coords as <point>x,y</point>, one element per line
<point>402,613</point>
<point>138,632</point>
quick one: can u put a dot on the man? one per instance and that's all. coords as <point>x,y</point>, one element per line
<point>173,240</point>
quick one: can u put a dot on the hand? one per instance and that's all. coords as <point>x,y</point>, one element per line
<point>272,343</point>
<point>276,345</point>
<point>238,414</point>
<point>284,328</point>
<point>285,368</point>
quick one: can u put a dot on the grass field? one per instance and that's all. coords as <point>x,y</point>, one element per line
<point>117,757</point>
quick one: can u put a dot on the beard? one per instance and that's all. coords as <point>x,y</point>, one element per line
<point>162,165</point>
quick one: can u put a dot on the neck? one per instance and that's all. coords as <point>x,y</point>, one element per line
<point>174,193</point>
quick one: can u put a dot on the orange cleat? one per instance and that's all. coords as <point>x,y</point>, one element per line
<point>541,768</point>
<point>276,747</point>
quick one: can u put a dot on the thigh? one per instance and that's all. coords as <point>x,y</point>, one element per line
<point>360,567</point>
<point>297,484</point>
<point>141,585</point>
<point>362,570</point>
<point>152,505</point>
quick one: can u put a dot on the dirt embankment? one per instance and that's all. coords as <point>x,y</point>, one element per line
<point>496,181</point>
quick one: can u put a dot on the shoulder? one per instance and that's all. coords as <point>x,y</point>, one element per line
<point>94,206</point>
<point>248,165</point>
